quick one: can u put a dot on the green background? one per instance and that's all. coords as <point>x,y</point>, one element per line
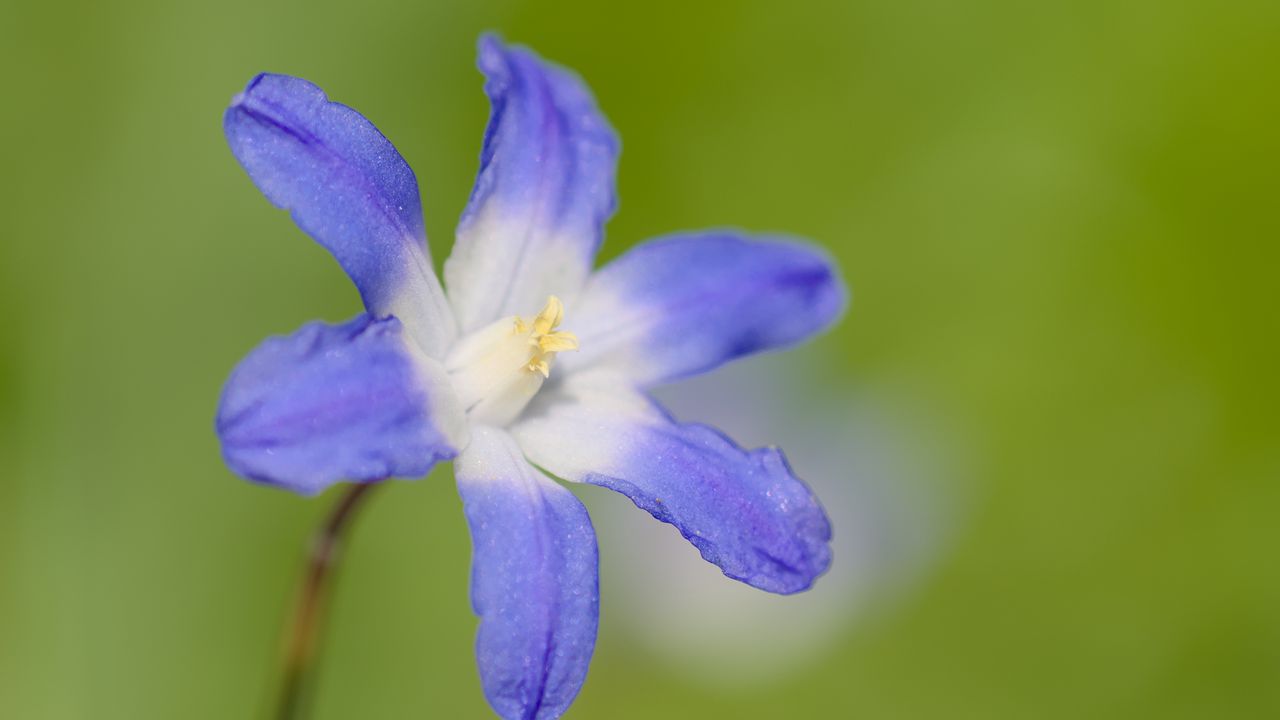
<point>1059,221</point>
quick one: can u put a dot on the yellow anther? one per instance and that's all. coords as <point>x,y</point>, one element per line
<point>540,366</point>
<point>558,342</point>
<point>545,340</point>
<point>496,370</point>
<point>549,317</point>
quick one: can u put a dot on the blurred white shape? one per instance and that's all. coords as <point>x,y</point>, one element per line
<point>880,493</point>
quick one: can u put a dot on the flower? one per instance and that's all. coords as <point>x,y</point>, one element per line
<point>532,364</point>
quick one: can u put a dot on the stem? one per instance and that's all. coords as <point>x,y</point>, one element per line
<point>303,641</point>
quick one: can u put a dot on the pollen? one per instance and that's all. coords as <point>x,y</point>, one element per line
<point>544,340</point>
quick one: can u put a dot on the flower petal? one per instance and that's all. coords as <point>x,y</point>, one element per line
<point>356,401</point>
<point>347,187</point>
<point>684,304</point>
<point>545,189</point>
<point>534,579</point>
<point>744,510</point>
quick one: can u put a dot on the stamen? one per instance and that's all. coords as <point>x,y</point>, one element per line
<point>544,338</point>
<point>539,366</point>
<point>549,317</point>
<point>558,342</point>
<point>498,369</point>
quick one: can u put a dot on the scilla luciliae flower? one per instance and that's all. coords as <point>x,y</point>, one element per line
<point>531,364</point>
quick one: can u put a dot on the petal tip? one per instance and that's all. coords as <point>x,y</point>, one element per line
<point>490,42</point>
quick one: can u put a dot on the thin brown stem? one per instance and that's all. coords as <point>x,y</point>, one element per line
<point>303,640</point>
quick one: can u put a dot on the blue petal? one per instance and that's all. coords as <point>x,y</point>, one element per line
<point>744,510</point>
<point>545,189</point>
<point>348,188</point>
<point>337,402</point>
<point>684,304</point>
<point>534,579</point>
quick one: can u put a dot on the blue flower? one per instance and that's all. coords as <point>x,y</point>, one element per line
<point>488,374</point>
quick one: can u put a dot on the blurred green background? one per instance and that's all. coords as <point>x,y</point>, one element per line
<point>1059,221</point>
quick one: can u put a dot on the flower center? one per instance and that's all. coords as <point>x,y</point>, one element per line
<point>499,368</point>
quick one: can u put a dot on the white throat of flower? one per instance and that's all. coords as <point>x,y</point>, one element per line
<point>497,369</point>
